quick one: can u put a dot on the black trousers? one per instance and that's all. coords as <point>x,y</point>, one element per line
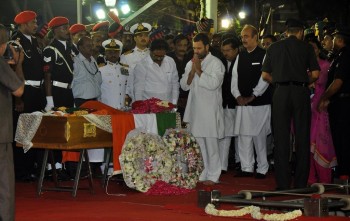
<point>291,104</point>
<point>339,119</point>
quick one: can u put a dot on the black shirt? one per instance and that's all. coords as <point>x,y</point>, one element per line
<point>290,60</point>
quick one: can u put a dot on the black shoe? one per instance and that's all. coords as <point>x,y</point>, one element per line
<point>28,178</point>
<point>260,176</point>
<point>238,166</point>
<point>243,174</point>
<point>62,175</point>
<point>223,171</point>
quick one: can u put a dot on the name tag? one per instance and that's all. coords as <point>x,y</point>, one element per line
<point>256,63</point>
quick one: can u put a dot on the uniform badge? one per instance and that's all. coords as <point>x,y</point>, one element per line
<point>47,59</point>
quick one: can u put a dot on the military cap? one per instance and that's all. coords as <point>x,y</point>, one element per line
<point>204,25</point>
<point>344,31</point>
<point>140,28</point>
<point>101,26</point>
<point>24,17</point>
<point>112,44</point>
<point>294,23</point>
<point>58,21</point>
<point>77,28</point>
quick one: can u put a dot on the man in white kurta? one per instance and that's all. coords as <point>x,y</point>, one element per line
<point>139,53</point>
<point>253,113</point>
<point>157,75</point>
<point>203,77</point>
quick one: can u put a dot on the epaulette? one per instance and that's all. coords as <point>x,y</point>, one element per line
<point>128,52</point>
<point>124,65</point>
<point>101,65</point>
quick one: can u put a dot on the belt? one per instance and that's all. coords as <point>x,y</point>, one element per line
<point>61,85</point>
<point>294,83</point>
<point>32,83</point>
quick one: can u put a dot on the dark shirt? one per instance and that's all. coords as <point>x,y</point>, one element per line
<point>9,82</point>
<point>249,73</point>
<point>228,100</point>
<point>340,69</point>
<point>290,60</point>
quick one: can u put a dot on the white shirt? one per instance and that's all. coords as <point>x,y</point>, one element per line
<point>152,80</point>
<point>113,85</point>
<point>131,59</point>
<point>204,110</point>
<point>86,79</point>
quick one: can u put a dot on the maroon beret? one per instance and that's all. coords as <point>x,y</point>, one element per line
<point>58,21</point>
<point>101,26</point>
<point>24,17</point>
<point>77,28</point>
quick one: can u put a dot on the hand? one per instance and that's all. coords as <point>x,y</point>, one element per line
<point>19,104</point>
<point>241,101</point>
<point>197,64</point>
<point>323,104</point>
<point>249,99</point>
<point>49,103</point>
<point>127,100</point>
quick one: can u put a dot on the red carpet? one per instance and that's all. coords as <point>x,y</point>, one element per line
<point>135,206</point>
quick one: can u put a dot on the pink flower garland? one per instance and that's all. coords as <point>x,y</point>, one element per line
<point>152,105</point>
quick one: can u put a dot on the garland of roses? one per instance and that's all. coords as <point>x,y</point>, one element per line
<point>186,156</point>
<point>144,160</point>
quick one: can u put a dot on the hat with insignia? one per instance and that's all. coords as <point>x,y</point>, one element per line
<point>344,31</point>
<point>77,28</point>
<point>204,25</point>
<point>58,21</point>
<point>294,23</point>
<point>24,17</point>
<point>140,28</point>
<point>112,44</point>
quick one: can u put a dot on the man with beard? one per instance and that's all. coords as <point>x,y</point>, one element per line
<point>181,57</point>
<point>291,65</point>
<point>135,56</point>
<point>337,99</point>
<point>253,113</point>
<point>33,99</point>
<point>203,77</point>
<point>58,74</point>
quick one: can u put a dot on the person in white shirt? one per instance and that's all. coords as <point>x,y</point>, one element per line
<point>114,76</point>
<point>203,77</point>
<point>157,75</point>
<point>135,56</point>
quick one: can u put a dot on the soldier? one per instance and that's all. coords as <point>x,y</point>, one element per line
<point>133,57</point>
<point>33,99</point>
<point>58,72</point>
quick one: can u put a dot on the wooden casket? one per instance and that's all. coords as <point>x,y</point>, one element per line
<point>70,131</point>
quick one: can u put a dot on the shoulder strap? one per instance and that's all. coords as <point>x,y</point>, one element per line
<point>57,52</point>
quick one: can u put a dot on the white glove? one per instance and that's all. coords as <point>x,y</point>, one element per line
<point>49,103</point>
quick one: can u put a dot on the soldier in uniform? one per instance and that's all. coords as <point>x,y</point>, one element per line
<point>58,71</point>
<point>337,99</point>
<point>114,76</point>
<point>77,31</point>
<point>135,56</point>
<point>33,99</point>
<point>286,65</point>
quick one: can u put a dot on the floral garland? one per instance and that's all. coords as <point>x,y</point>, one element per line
<point>186,156</point>
<point>254,211</point>
<point>152,105</point>
<point>144,160</point>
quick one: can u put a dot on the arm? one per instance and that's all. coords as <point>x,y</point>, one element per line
<point>234,84</point>
<point>19,105</point>
<point>186,76</point>
<point>212,77</point>
<point>139,82</point>
<point>331,90</point>
<point>48,63</point>
<point>266,77</point>
<point>314,76</point>
<point>174,83</point>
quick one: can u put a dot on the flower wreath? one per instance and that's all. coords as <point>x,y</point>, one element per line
<point>186,156</point>
<point>152,105</point>
<point>144,160</point>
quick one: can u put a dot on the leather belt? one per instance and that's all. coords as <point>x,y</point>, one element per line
<point>294,83</point>
<point>32,83</point>
<point>61,85</point>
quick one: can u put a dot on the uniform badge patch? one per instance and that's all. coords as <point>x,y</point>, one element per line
<point>47,59</point>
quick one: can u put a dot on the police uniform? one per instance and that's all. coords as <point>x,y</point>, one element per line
<point>288,62</point>
<point>339,108</point>
<point>135,56</point>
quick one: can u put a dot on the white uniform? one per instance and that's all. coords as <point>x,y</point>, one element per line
<point>113,85</point>
<point>152,80</point>
<point>131,59</point>
<point>204,112</point>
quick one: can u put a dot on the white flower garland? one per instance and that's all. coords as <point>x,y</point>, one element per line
<point>254,211</point>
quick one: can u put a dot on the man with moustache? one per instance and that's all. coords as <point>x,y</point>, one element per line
<point>77,31</point>
<point>203,77</point>
<point>33,99</point>
<point>58,74</point>
<point>181,58</point>
<point>253,113</point>
<point>135,56</point>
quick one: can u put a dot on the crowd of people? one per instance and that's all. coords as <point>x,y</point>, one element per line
<point>244,94</point>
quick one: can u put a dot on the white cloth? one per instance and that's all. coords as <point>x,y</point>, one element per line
<point>204,111</point>
<point>224,149</point>
<point>147,122</point>
<point>152,80</point>
<point>131,59</point>
<point>87,79</point>
<point>210,152</point>
<point>229,119</point>
<point>113,86</point>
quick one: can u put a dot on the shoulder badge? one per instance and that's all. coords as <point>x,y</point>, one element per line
<point>124,69</point>
<point>124,65</point>
<point>128,52</point>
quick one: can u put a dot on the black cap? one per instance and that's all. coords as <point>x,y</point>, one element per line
<point>294,23</point>
<point>344,31</point>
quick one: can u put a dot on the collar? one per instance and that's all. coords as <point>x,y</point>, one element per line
<point>28,37</point>
<point>252,50</point>
<point>140,50</point>
<point>64,43</point>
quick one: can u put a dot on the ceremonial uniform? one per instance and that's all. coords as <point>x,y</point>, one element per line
<point>152,80</point>
<point>252,122</point>
<point>288,62</point>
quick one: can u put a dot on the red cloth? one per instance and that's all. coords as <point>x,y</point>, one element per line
<point>24,17</point>
<point>122,123</point>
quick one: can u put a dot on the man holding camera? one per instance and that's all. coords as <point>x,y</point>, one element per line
<point>33,99</point>
<point>10,84</point>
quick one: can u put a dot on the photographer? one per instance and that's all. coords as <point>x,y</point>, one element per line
<point>10,84</point>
